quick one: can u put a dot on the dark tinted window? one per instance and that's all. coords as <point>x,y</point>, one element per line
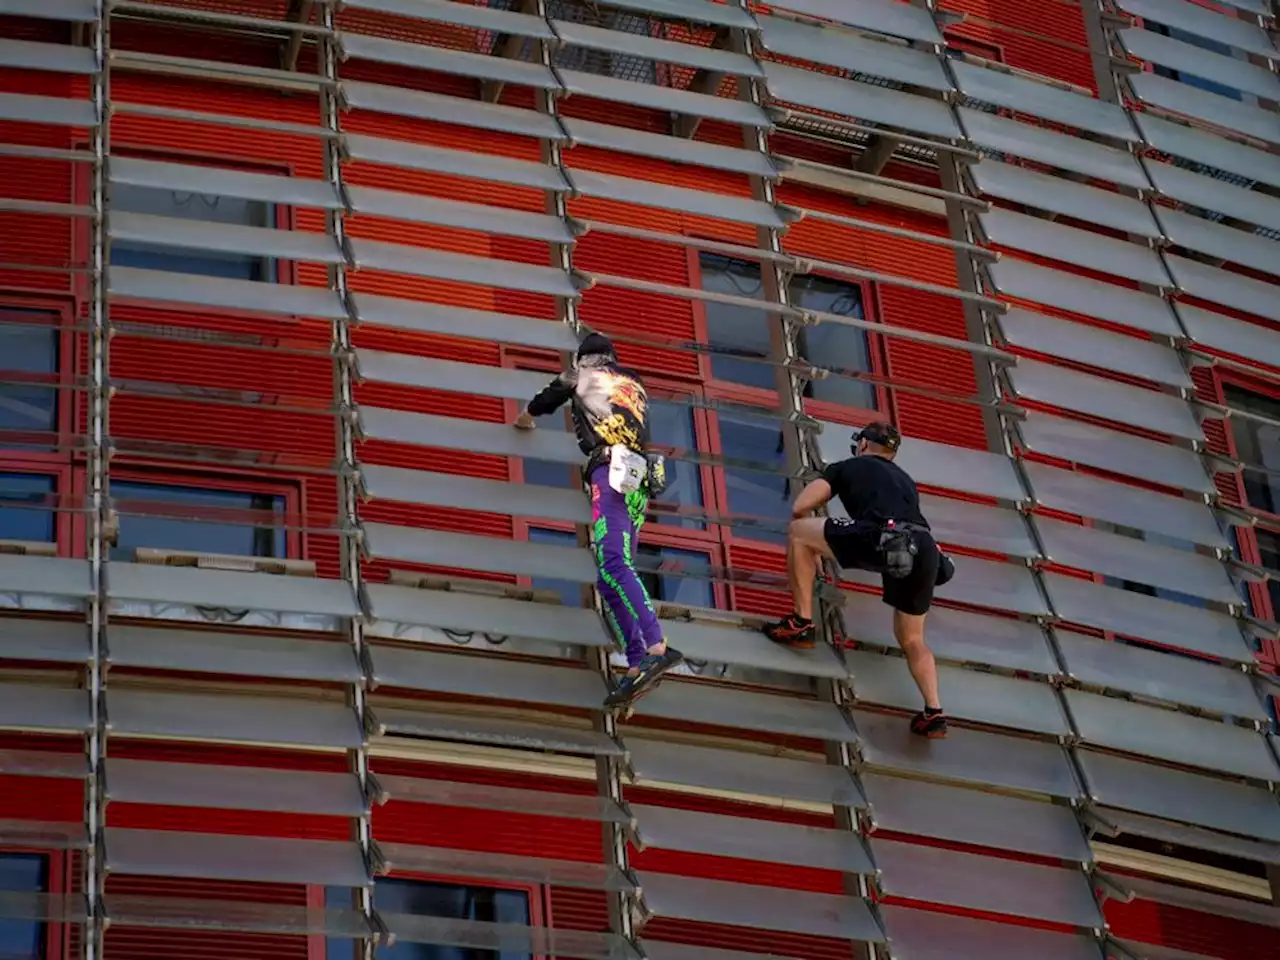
<point>23,873</point>
<point>198,520</point>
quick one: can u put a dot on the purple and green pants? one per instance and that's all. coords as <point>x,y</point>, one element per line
<point>616,520</point>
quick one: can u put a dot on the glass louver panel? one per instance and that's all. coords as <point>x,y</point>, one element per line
<point>711,704</point>
<point>448,375</point>
<point>51,641</point>
<point>1207,107</point>
<point>1042,100</point>
<point>462,14</point>
<point>1211,193</point>
<point>1208,149</point>
<point>747,647</point>
<point>50,57</point>
<point>698,11</point>
<point>46,576</point>
<point>1057,195</point>
<point>982,583</point>
<point>665,98</point>
<point>479,937</point>
<point>221,182</point>
<point>1220,286</point>
<point>483,271</point>
<point>1196,838</point>
<point>451,433</point>
<point>53,709</point>
<point>43,763</point>
<point>443,60</point>
<point>662,197</point>
<point>467,216</point>
<point>412,858</point>
<point>475,166</point>
<point>515,735</point>
<point>181,288</point>
<point>924,935</point>
<point>54,111</point>
<point>231,590</point>
<point>471,493</point>
<point>1188,58</point>
<point>1250,341</point>
<point>490,554</point>
<point>180,913</point>
<point>75,11</point>
<point>648,144</point>
<point>1192,18</point>
<point>1221,242</point>
<point>244,655</point>
<point>653,48</point>
<point>224,237</point>
<point>456,110</point>
<point>480,324</point>
<point>483,796</point>
<point>894,20</point>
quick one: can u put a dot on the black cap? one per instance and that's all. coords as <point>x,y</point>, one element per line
<point>596,344</point>
<point>879,432</point>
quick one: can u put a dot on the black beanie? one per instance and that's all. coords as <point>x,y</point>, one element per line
<point>596,344</point>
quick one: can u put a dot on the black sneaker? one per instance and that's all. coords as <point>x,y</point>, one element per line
<point>792,631</point>
<point>651,670</point>
<point>930,723</point>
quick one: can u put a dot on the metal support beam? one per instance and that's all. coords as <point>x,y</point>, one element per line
<point>877,155</point>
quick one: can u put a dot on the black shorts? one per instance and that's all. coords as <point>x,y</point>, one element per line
<point>856,547</point>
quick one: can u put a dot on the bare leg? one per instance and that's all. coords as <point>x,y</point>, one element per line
<point>910,633</point>
<point>806,546</point>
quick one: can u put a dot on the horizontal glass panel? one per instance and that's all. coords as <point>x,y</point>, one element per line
<point>47,576</point>
<point>657,950</point>
<point>1188,101</point>
<point>245,655</point>
<point>180,913</point>
<point>937,464</point>
<point>43,763</point>
<point>849,98</point>
<point>1116,452</point>
<point>1092,345</point>
<point>498,733</point>
<point>1186,58</point>
<point>483,796</point>
<point>483,271</point>
<point>54,709</point>
<point>221,182</point>
<point>1166,735</point>
<point>486,676</point>
<point>474,166</point>
<point>482,938</point>
<point>924,935</point>
<point>175,853</point>
<point>1082,248</point>
<point>1147,618</point>
<point>1202,22</point>
<point>1222,242</point>
<point>749,648</point>
<point>972,757</point>
<point>1042,100</point>
<point>54,111</point>
<point>54,907</point>
<point>1222,286</point>
<point>480,324</point>
<point>1180,835</point>
<point>1017,889</point>
<point>462,14</point>
<point>1057,195</point>
<point>665,98</point>
<point>1177,795</point>
<point>893,19</point>
<point>1124,505</point>
<point>1213,151</point>
<point>234,788</point>
<point>1134,560</point>
<point>956,635</point>
<point>44,640</point>
<point>44,836</point>
<point>184,288</point>
<point>489,554</point>
<point>985,698</point>
<point>76,11</point>
<point>472,493</point>
<point>972,525</point>
<point>467,216</point>
<point>1104,398</point>
<point>746,905</point>
<point>455,110</point>
<point>52,57</point>
<point>677,149</point>
<point>1068,291</point>
<point>1057,150</point>
<point>652,48</point>
<point>1160,676</point>
<point>235,719</point>
<point>667,828</point>
<point>1201,901</point>
<point>998,586</point>
<point>1247,340</point>
<point>231,590</point>
<point>411,858</point>
<point>646,194</point>
<point>223,237</point>
<point>699,11</point>
<point>657,764</point>
<point>449,375</point>
<point>708,703</point>
<point>975,817</point>
<point>849,51</point>
<point>1213,194</point>
<point>453,433</point>
<point>443,60</point>
<point>489,615</point>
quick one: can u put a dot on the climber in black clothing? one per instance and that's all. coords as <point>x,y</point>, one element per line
<point>885,532</point>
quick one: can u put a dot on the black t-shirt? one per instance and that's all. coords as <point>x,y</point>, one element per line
<point>876,489</point>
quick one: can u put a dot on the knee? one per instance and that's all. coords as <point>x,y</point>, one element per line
<point>796,533</point>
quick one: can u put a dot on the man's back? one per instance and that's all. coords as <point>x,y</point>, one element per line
<point>873,488</point>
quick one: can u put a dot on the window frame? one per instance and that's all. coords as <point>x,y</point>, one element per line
<point>230,482</point>
<point>538,895</point>
<point>762,397</point>
<point>56,935</point>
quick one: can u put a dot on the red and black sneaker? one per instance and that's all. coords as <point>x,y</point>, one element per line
<point>930,723</point>
<point>792,631</point>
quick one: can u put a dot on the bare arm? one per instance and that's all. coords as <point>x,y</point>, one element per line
<point>817,494</point>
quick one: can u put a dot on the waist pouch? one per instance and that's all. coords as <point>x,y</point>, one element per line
<point>657,476</point>
<point>627,469</point>
<point>898,549</point>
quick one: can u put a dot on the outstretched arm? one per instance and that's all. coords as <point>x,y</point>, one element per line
<point>813,496</point>
<point>548,400</point>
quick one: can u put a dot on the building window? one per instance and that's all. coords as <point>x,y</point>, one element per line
<point>23,873</point>
<point>570,592</point>
<point>158,202</point>
<point>27,509</point>
<point>740,343</point>
<point>197,520</point>
<point>28,376</point>
<point>445,901</point>
<point>1257,447</point>
<point>751,492</point>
